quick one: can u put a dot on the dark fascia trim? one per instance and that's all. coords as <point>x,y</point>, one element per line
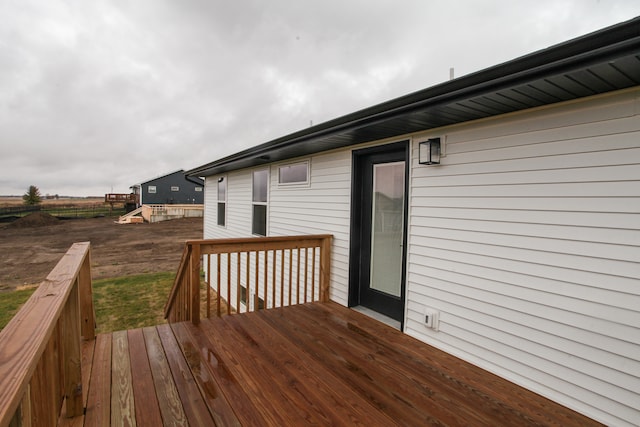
<point>194,179</point>
<point>163,176</point>
<point>595,47</point>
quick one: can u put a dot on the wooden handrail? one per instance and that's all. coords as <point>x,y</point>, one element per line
<point>40,348</point>
<point>182,268</point>
<point>258,272</point>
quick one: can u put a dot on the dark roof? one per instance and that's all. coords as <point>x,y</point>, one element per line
<point>193,179</point>
<point>599,62</point>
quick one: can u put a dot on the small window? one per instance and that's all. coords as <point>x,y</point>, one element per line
<point>259,223</point>
<point>175,188</point>
<point>260,186</point>
<point>152,189</point>
<point>222,201</point>
<point>294,173</point>
<point>259,198</point>
<point>198,189</point>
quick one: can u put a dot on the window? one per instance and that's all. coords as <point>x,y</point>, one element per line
<point>294,173</point>
<point>260,191</point>
<point>175,188</point>
<point>222,201</point>
<point>243,298</point>
<point>152,189</point>
<point>198,189</point>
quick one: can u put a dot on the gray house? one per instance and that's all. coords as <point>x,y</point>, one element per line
<point>173,188</point>
<point>495,216</point>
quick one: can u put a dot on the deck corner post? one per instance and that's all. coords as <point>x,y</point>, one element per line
<point>87,312</point>
<point>71,338</point>
<point>195,284</point>
<point>325,268</point>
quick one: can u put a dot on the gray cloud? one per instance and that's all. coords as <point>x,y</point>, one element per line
<point>100,95</point>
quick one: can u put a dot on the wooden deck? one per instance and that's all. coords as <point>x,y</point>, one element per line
<point>309,364</point>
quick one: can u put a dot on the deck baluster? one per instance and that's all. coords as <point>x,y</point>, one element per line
<point>259,272</point>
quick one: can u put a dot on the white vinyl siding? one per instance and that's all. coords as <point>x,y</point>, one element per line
<point>527,240</point>
<point>320,208</point>
<point>238,217</point>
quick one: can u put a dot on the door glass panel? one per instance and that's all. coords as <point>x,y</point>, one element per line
<point>387,218</point>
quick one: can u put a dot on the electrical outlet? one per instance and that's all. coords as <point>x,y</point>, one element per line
<point>432,319</point>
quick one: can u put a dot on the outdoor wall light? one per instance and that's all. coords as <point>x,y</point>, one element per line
<point>429,152</point>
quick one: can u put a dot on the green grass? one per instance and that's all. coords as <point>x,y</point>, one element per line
<point>10,303</point>
<point>131,302</point>
<point>121,303</point>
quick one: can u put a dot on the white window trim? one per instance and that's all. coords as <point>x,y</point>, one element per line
<point>306,183</point>
<point>218,201</point>
<point>149,187</point>
<point>266,204</point>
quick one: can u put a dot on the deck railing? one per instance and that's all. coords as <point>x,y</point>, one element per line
<point>40,348</point>
<point>249,274</point>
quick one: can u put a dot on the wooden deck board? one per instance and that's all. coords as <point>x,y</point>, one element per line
<point>368,374</point>
<point>284,373</point>
<point>191,396</point>
<point>426,389</point>
<point>208,375</point>
<point>168,397</point>
<point>122,403</point>
<point>506,399</point>
<point>238,364</point>
<point>98,410</point>
<point>432,394</point>
<point>317,363</point>
<point>147,409</point>
<point>345,404</point>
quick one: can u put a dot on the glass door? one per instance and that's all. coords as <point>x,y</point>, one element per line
<point>387,225</point>
<point>378,229</point>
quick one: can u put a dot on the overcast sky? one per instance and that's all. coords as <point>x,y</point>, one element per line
<point>96,96</point>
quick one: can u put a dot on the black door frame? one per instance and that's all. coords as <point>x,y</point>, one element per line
<point>359,258</point>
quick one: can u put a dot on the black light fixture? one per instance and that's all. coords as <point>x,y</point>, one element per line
<point>429,152</point>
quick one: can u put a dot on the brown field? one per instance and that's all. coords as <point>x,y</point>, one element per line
<point>10,201</point>
<point>29,251</point>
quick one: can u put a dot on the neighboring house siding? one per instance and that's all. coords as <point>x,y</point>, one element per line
<point>526,240</point>
<point>163,194</point>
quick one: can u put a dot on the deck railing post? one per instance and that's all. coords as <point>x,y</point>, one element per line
<point>72,352</point>
<point>40,347</point>
<point>325,269</point>
<point>85,288</point>
<point>249,274</point>
<point>195,284</point>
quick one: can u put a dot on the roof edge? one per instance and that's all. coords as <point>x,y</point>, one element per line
<point>594,46</point>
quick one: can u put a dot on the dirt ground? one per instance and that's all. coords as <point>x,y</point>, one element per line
<point>29,251</point>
